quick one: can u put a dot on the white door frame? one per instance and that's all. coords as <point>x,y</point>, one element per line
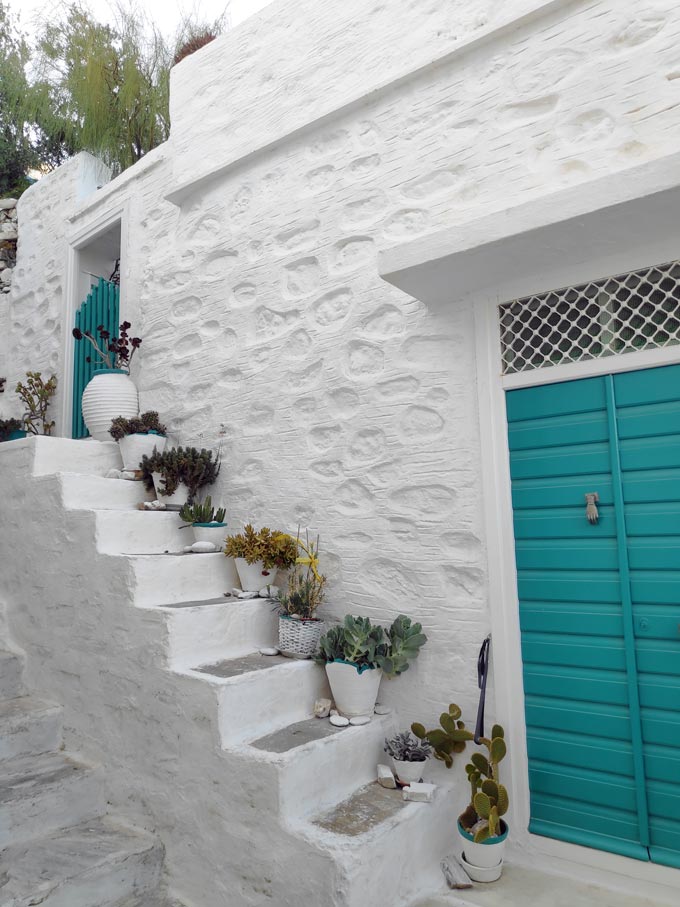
<point>77,239</point>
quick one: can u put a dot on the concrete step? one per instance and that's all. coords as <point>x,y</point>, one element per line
<point>304,750</point>
<point>87,457</point>
<point>525,885</point>
<point>11,674</point>
<point>258,694</point>
<point>83,492</point>
<point>140,532</point>
<point>162,579</point>
<point>218,629</point>
<point>28,726</point>
<point>94,864</point>
<point>387,850</point>
<point>40,794</point>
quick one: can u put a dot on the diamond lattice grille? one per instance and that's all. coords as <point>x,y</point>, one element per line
<point>631,312</point>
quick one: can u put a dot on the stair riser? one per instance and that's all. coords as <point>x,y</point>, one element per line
<point>50,807</point>
<point>139,532</point>
<point>214,632</point>
<point>95,493</point>
<point>29,735</point>
<point>128,877</point>
<point>53,455</point>
<point>263,701</point>
<point>164,580</point>
<point>11,672</point>
<point>306,784</point>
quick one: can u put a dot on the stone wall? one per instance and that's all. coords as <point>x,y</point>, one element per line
<point>8,242</point>
<point>340,403</point>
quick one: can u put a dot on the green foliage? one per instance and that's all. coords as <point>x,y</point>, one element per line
<point>16,152</point>
<point>139,425</point>
<point>448,741</point>
<point>195,468</point>
<point>36,396</point>
<point>362,643</point>
<point>407,749</point>
<point>273,547</point>
<point>202,513</point>
<point>7,426</point>
<point>306,586</point>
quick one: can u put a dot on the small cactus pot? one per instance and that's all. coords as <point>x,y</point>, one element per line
<point>210,532</point>
<point>486,856</point>
<point>408,771</point>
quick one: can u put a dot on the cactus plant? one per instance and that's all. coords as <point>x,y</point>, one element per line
<point>447,740</point>
<point>36,395</point>
<point>201,513</point>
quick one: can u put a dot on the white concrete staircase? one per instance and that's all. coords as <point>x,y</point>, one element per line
<point>255,801</point>
<point>58,848</point>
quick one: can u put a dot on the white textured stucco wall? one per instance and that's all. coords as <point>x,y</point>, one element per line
<point>340,403</point>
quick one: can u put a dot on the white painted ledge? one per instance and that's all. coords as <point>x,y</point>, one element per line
<point>621,221</point>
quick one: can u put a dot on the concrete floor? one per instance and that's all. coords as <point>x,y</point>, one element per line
<point>519,887</point>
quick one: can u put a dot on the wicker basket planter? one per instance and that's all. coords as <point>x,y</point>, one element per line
<point>299,638</point>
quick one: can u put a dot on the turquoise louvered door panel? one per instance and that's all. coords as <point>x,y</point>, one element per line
<point>100,308</point>
<point>580,733</point>
<point>600,608</point>
<point>648,425</point>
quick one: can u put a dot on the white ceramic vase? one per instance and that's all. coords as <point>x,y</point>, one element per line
<point>354,693</point>
<point>210,532</point>
<point>110,393</point>
<point>134,447</point>
<point>408,771</point>
<point>179,497</point>
<point>251,575</point>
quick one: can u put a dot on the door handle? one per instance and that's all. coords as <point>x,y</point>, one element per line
<point>592,500</point>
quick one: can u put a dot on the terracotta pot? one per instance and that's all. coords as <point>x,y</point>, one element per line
<point>110,393</point>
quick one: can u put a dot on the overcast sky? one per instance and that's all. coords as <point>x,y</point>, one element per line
<point>166,13</point>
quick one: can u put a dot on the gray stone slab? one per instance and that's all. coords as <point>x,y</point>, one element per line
<point>206,603</point>
<point>288,738</point>
<point>364,810</point>
<point>233,667</point>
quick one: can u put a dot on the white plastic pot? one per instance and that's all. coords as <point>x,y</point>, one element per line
<point>134,447</point>
<point>210,532</point>
<point>408,771</point>
<point>252,576</point>
<point>110,393</point>
<point>179,497</point>
<point>354,693</point>
<point>487,855</point>
<point>479,873</point>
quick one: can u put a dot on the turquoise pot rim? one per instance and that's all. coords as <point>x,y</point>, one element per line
<point>498,839</point>
<point>359,668</point>
<point>143,434</point>
<point>109,371</point>
<point>213,525</point>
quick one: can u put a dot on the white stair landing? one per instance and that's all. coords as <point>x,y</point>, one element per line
<point>519,887</point>
<point>97,863</point>
<point>28,726</point>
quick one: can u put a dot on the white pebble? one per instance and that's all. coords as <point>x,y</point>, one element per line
<point>359,720</point>
<point>269,650</point>
<point>334,712</point>
<point>381,709</point>
<point>386,777</point>
<point>113,474</point>
<point>322,708</point>
<point>203,547</point>
<point>420,791</point>
<point>339,721</point>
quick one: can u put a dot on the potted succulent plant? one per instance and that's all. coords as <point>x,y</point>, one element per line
<point>179,473</point>
<point>110,392</point>
<point>11,430</point>
<point>356,654</point>
<point>207,523</point>
<point>481,825</point>
<point>408,756</point>
<point>299,628</point>
<point>36,395</point>
<point>258,554</point>
<point>138,436</point>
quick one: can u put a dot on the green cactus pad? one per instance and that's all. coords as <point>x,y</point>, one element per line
<point>482,805</point>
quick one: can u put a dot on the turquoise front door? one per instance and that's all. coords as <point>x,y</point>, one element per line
<point>600,607</point>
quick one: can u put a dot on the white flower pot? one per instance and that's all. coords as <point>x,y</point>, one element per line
<point>252,576</point>
<point>408,771</point>
<point>110,393</point>
<point>179,497</point>
<point>210,532</point>
<point>134,447</point>
<point>354,693</point>
<point>479,873</point>
<point>487,855</point>
<point>298,638</point>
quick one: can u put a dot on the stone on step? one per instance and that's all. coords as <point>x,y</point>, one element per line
<point>28,727</point>
<point>85,457</point>
<point>339,720</point>
<point>322,708</point>
<point>386,777</point>
<point>419,791</point>
<point>39,794</point>
<point>11,672</point>
<point>97,863</point>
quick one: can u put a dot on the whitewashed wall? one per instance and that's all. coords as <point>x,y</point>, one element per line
<point>340,403</point>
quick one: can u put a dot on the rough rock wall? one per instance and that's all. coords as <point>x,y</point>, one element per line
<point>8,242</point>
<point>340,403</point>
